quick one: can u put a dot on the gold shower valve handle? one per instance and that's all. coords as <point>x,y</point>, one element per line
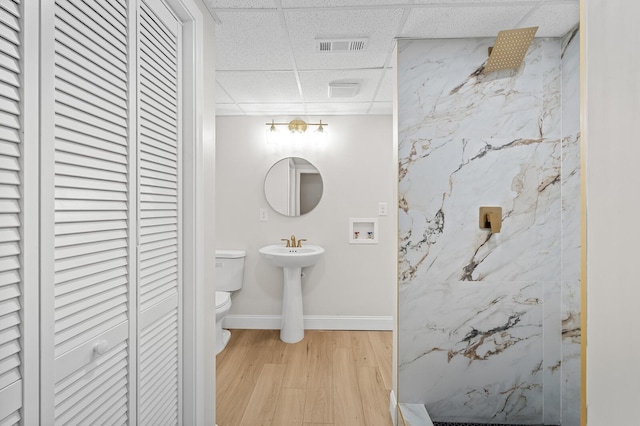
<point>491,218</point>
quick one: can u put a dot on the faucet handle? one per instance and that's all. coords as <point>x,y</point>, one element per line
<point>300,241</point>
<point>288,242</point>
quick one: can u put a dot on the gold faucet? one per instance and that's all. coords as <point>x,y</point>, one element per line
<point>292,242</point>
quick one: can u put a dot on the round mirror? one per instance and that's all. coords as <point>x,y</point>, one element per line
<point>293,186</point>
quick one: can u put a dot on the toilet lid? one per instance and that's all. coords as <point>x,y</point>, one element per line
<point>222,298</point>
<point>230,254</point>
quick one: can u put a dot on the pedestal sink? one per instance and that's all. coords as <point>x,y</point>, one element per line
<point>292,260</point>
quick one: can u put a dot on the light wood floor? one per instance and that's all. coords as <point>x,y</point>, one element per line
<point>339,378</point>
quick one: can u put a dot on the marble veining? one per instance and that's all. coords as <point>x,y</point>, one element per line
<point>482,316</point>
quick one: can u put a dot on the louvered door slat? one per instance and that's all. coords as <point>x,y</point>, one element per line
<point>92,213</point>
<point>11,6</point>
<point>110,119</point>
<point>149,88</point>
<point>106,7</point>
<point>88,84</point>
<point>157,245</point>
<point>90,283</point>
<point>153,106</point>
<point>101,24</point>
<point>11,190</point>
<point>63,218</point>
<point>99,52</point>
<point>76,233</point>
<point>75,248</point>
<point>9,47</point>
<point>158,82</point>
<point>161,138</point>
<point>92,152</point>
<point>158,69</point>
<point>159,210</point>
<point>159,41</point>
<point>73,91</point>
<point>159,121</point>
<point>88,173</point>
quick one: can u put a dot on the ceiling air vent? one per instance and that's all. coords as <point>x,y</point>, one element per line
<point>341,44</point>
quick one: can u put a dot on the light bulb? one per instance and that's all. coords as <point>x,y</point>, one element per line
<point>272,134</point>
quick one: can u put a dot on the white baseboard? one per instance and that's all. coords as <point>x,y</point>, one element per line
<point>393,408</point>
<point>311,322</point>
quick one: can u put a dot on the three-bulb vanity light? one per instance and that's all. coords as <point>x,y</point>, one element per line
<point>297,129</point>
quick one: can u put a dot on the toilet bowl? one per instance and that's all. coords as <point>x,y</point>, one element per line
<point>223,304</point>
<point>228,278</point>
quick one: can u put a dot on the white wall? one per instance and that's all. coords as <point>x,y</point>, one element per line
<point>611,129</point>
<point>358,168</point>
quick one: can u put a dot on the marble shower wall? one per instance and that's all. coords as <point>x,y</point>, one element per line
<point>484,324</point>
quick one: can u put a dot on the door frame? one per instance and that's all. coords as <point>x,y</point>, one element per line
<point>198,348</point>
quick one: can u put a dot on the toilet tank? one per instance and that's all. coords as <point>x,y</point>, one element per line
<point>229,269</point>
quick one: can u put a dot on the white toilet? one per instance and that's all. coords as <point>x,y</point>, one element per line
<point>229,275</point>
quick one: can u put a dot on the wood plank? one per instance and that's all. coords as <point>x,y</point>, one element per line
<point>290,407</point>
<point>340,338</point>
<point>318,407</point>
<point>382,343</point>
<point>297,357</point>
<point>374,397</point>
<point>348,410</point>
<point>262,405</point>
<point>245,371</point>
<point>363,352</point>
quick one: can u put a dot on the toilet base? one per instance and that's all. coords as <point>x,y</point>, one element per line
<point>222,343</point>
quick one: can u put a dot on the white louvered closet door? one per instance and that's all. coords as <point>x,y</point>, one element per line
<point>91,277</point>
<point>159,283</point>
<point>10,213</point>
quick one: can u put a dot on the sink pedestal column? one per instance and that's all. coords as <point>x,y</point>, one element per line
<point>292,329</point>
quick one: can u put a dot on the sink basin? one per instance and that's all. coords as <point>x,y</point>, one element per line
<point>292,257</point>
<point>292,260</point>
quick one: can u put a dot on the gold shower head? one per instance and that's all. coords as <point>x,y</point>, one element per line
<point>510,49</point>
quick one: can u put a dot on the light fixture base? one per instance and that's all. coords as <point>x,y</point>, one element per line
<point>297,126</point>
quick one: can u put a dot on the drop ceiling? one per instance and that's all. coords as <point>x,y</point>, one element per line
<point>267,62</point>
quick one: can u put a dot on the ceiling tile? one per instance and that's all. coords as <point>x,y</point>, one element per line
<point>387,87</point>
<point>241,4</point>
<point>292,109</point>
<point>340,3</point>
<point>251,41</point>
<point>379,26</point>
<point>554,20</point>
<point>482,3</point>
<point>315,84</point>
<point>463,21</point>
<point>340,108</point>
<point>228,109</point>
<point>222,97</point>
<point>379,3</point>
<point>260,86</point>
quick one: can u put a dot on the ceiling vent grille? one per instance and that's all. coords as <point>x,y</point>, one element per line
<point>341,45</point>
